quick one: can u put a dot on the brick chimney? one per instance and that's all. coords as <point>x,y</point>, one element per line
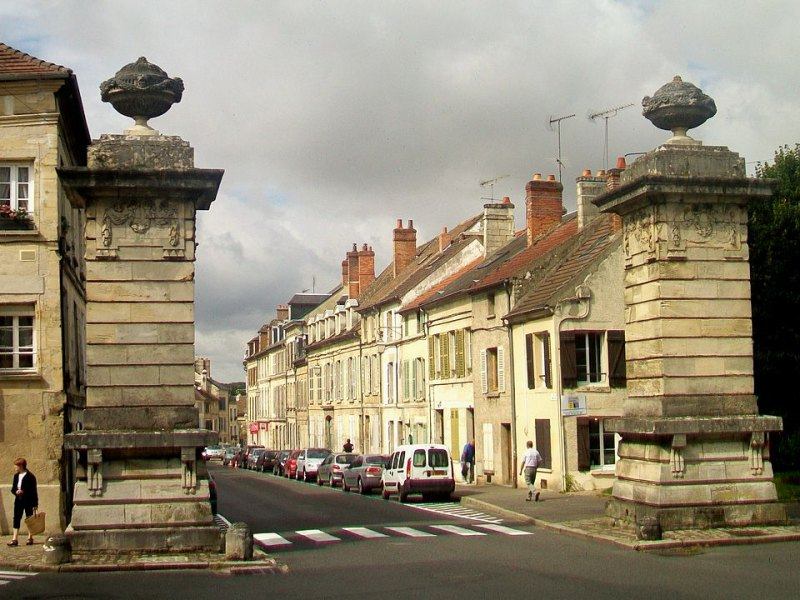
<point>588,187</point>
<point>444,239</point>
<point>352,272</point>
<point>366,267</point>
<point>282,312</point>
<point>612,182</point>
<point>405,245</point>
<point>498,225</point>
<point>543,204</point>
<point>345,274</point>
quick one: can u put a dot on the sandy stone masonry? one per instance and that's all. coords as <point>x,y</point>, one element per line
<point>141,483</point>
<point>694,449</point>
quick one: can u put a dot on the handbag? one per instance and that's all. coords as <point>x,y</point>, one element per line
<point>35,523</point>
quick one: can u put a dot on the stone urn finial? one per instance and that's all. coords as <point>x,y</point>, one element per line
<point>678,106</point>
<point>142,91</point>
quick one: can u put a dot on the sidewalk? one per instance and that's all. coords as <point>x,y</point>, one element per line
<point>582,514</point>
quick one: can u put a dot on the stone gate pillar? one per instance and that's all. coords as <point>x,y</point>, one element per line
<point>694,449</point>
<point>142,484</point>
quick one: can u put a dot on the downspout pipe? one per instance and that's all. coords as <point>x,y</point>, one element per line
<point>513,392</point>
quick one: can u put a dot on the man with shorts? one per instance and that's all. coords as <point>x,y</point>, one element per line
<point>530,462</point>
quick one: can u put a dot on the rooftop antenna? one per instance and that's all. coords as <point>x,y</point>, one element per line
<point>607,114</point>
<point>490,183</point>
<point>558,120</point>
<point>313,284</point>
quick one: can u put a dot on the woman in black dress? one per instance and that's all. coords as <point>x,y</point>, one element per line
<point>26,498</point>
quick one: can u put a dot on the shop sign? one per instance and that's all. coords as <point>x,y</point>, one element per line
<point>573,405</point>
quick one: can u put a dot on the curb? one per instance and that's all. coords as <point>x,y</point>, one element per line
<point>639,546</point>
<point>234,568</point>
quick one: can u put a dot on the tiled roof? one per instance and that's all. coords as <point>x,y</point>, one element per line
<point>600,238</point>
<point>308,299</point>
<point>16,65</point>
<point>567,229</point>
<point>387,287</point>
<point>353,333</point>
<point>440,290</point>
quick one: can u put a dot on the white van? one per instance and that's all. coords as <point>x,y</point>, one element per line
<point>419,469</point>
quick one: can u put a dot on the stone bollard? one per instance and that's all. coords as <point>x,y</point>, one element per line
<point>239,542</point>
<point>648,528</point>
<point>57,550</point>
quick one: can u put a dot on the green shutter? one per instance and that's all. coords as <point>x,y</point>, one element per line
<point>431,359</point>
<point>461,367</point>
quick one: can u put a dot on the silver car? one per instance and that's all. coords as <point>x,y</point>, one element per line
<point>364,473</point>
<point>330,470</point>
<point>308,462</point>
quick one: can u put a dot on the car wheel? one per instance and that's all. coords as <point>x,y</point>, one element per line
<point>345,487</point>
<point>319,481</point>
<point>331,482</point>
<point>402,495</point>
<point>385,494</point>
<point>361,489</point>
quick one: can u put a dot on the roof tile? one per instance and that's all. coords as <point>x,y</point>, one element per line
<point>16,63</point>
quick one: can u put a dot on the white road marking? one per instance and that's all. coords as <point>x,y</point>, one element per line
<point>455,510</point>
<point>456,530</point>
<point>271,539</point>
<point>224,520</point>
<point>315,535</point>
<point>503,529</point>
<point>410,532</point>
<point>7,577</point>
<point>364,532</point>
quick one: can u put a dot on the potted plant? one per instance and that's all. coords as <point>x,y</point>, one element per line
<point>14,219</point>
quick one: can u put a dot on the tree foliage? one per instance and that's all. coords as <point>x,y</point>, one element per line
<point>774,238</point>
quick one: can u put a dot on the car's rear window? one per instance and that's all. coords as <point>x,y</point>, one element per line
<point>437,458</point>
<point>377,459</point>
<point>314,453</point>
<point>346,459</point>
<point>419,458</point>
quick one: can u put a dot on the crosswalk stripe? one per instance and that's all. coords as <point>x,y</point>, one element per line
<point>15,574</point>
<point>502,529</point>
<point>456,530</point>
<point>364,532</point>
<point>271,539</point>
<point>411,532</point>
<point>316,535</point>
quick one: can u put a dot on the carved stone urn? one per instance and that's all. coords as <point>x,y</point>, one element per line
<point>678,106</point>
<point>142,91</point>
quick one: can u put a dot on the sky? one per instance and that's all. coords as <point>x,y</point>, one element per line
<point>334,119</point>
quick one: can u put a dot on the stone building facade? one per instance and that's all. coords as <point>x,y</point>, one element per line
<point>42,276</point>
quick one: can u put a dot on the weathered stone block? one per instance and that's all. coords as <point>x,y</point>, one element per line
<point>238,542</point>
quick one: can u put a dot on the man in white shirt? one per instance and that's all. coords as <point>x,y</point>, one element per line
<point>530,461</point>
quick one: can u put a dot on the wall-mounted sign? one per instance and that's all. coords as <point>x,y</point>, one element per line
<point>573,405</point>
<point>253,427</point>
<point>263,426</point>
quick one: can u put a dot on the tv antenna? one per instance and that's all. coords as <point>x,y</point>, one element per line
<point>607,114</point>
<point>558,120</point>
<point>490,183</point>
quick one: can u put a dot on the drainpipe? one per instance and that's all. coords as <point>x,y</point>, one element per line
<point>513,392</point>
<point>582,293</point>
<point>361,390</point>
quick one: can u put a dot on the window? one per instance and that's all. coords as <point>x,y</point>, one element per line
<point>581,358</point>
<point>16,339</point>
<point>490,305</point>
<point>419,458</point>
<point>545,363</point>
<point>390,382</point>
<point>438,458</point>
<point>493,370</point>
<point>596,446</point>
<point>15,186</point>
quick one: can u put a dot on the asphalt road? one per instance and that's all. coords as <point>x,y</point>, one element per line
<point>541,564</point>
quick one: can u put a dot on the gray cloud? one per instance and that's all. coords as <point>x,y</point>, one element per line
<point>332,119</point>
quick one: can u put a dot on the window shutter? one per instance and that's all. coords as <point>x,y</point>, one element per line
<point>444,346</point>
<point>501,369</point>
<point>461,369</point>
<point>583,445</point>
<point>431,359</point>
<point>569,367</point>
<point>529,361</point>
<point>543,442</point>
<point>414,379</point>
<point>616,358</point>
<point>484,379</point>
<point>548,378</point>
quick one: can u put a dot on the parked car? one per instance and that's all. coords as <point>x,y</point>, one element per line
<point>266,461</point>
<point>230,453</point>
<point>290,467</point>
<point>213,452</point>
<point>330,469</point>
<point>308,462</point>
<point>364,473</point>
<point>280,462</point>
<point>419,469</point>
<point>252,458</point>
<point>245,455</point>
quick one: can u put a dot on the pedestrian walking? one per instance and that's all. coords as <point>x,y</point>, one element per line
<point>530,462</point>
<point>468,461</point>
<point>26,498</point>
<point>348,447</point>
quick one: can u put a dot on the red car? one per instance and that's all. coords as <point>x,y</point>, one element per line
<point>290,470</point>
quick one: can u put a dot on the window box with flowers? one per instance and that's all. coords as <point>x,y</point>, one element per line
<point>15,197</point>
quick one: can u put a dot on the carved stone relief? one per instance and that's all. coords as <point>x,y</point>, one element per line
<point>161,219</point>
